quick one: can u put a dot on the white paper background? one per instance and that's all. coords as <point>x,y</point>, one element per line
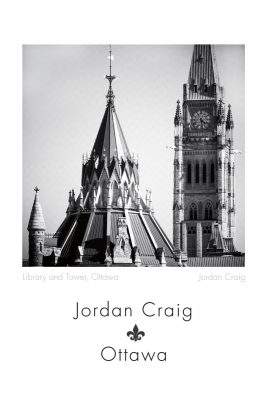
<point>205,356</point>
<point>220,354</point>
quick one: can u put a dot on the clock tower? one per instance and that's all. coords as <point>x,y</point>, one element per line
<point>203,209</point>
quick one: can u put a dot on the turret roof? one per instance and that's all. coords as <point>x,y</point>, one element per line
<point>36,221</point>
<point>110,139</point>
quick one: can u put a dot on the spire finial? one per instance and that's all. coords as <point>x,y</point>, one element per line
<point>36,189</point>
<point>110,96</point>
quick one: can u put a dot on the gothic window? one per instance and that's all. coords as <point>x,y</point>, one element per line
<point>205,88</point>
<point>192,230</point>
<point>204,173</point>
<point>115,194</point>
<point>193,212</point>
<point>189,173</point>
<point>197,173</point>
<point>212,173</point>
<point>195,88</point>
<point>208,211</point>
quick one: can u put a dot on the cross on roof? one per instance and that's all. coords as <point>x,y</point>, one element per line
<point>36,189</point>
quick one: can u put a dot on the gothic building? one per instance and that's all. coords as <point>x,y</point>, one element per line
<point>109,222</point>
<point>204,168</point>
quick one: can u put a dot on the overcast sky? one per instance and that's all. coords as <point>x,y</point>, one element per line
<point>64,101</point>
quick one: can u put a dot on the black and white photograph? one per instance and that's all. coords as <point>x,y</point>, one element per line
<point>133,223</point>
<point>133,155</point>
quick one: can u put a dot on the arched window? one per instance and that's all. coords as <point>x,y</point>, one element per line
<point>189,173</point>
<point>193,212</point>
<point>204,173</point>
<point>115,190</point>
<point>208,211</point>
<point>197,173</point>
<point>212,173</point>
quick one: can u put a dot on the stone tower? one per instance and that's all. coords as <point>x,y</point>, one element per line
<point>36,228</point>
<point>203,164</point>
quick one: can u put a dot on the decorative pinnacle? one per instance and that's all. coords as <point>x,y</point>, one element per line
<point>36,189</point>
<point>220,114</point>
<point>229,119</point>
<point>178,115</point>
<point>110,95</point>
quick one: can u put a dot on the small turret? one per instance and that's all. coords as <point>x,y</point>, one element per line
<point>36,228</point>
<point>229,119</point>
<point>178,115</point>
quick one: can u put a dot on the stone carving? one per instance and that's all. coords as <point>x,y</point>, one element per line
<point>122,250</point>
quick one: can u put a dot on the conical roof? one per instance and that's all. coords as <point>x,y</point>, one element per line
<point>110,139</point>
<point>203,65</point>
<point>36,221</point>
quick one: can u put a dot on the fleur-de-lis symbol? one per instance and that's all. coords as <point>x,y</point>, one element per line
<point>135,334</point>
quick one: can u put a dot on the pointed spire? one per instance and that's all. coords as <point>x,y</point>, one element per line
<point>110,95</point>
<point>203,67</point>
<point>69,204</point>
<point>150,199</point>
<point>36,221</point>
<point>178,115</point>
<point>110,144</point>
<point>229,119</point>
<point>72,199</point>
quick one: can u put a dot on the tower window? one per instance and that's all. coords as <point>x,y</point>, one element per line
<point>189,173</point>
<point>204,173</point>
<point>212,173</point>
<point>205,88</point>
<point>193,212</point>
<point>195,88</point>
<point>197,173</point>
<point>208,211</point>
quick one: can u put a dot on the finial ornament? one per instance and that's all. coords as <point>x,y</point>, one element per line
<point>110,96</point>
<point>36,189</point>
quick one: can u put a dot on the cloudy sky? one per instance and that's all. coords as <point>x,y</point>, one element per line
<point>64,101</point>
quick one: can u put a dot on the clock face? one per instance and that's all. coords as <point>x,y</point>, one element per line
<point>201,120</point>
